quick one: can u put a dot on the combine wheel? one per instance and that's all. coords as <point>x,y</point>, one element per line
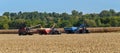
<point>30,33</point>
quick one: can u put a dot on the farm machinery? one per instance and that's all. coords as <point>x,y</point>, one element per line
<point>77,30</point>
<point>47,31</point>
<point>23,30</point>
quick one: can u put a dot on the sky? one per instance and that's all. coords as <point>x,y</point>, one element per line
<point>59,6</point>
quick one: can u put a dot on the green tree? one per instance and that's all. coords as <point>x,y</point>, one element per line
<point>6,14</point>
<point>90,23</point>
<point>75,13</point>
<point>5,22</point>
<point>98,22</point>
<point>5,26</point>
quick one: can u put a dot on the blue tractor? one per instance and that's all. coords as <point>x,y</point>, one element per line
<point>80,29</point>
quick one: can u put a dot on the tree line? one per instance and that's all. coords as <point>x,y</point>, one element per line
<point>106,18</point>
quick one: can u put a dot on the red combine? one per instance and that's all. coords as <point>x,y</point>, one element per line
<point>23,30</point>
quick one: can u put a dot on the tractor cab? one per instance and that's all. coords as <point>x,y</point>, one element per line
<point>82,29</point>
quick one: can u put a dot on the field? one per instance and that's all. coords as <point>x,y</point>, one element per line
<point>65,43</point>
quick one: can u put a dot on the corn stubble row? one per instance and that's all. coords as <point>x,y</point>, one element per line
<point>65,43</point>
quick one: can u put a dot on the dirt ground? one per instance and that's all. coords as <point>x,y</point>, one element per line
<point>65,43</point>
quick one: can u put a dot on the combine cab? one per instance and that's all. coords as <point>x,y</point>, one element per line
<point>80,29</point>
<point>46,31</point>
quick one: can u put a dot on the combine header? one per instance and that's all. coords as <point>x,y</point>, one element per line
<point>80,29</point>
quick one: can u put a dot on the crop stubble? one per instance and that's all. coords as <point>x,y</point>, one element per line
<point>65,43</point>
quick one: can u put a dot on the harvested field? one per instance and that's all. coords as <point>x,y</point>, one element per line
<point>65,43</point>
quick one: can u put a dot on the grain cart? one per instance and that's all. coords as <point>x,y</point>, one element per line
<point>80,29</point>
<point>46,31</point>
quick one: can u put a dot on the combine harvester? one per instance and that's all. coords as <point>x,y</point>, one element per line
<point>49,31</point>
<point>76,30</point>
<point>23,30</point>
<point>28,30</point>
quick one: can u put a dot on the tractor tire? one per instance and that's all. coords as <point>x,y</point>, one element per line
<point>30,33</point>
<point>40,33</point>
<point>80,31</point>
<point>67,32</point>
<point>56,32</point>
<point>22,34</point>
<point>87,31</point>
<point>59,33</point>
<point>19,34</point>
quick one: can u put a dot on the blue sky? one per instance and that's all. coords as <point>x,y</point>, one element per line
<point>86,6</point>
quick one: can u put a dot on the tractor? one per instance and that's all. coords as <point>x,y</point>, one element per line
<point>46,31</point>
<point>77,30</point>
